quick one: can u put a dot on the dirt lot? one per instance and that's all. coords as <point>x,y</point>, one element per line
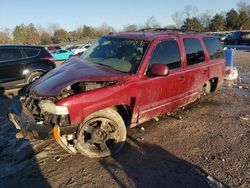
<point>204,143</point>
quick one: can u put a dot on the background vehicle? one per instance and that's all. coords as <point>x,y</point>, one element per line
<point>238,38</point>
<point>61,54</point>
<point>71,47</point>
<point>20,64</point>
<point>51,48</point>
<point>80,49</point>
<point>221,36</point>
<point>122,80</point>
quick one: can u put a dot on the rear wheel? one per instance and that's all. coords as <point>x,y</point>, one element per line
<point>34,76</point>
<point>102,134</point>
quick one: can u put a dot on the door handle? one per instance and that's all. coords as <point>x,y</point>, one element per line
<point>181,78</point>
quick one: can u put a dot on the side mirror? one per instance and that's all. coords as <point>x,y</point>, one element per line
<point>159,70</point>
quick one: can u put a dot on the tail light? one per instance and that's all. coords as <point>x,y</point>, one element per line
<point>49,59</point>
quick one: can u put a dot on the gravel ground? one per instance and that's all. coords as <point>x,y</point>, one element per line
<point>203,145</point>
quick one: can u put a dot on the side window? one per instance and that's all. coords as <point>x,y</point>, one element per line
<point>194,51</point>
<point>31,52</point>
<point>167,52</point>
<point>62,51</point>
<point>8,54</point>
<point>214,47</point>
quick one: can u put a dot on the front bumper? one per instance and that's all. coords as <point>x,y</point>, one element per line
<point>26,123</point>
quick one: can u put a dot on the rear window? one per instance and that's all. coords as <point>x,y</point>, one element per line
<point>194,51</point>
<point>44,53</point>
<point>8,54</point>
<point>214,48</point>
<point>31,52</point>
<point>62,51</point>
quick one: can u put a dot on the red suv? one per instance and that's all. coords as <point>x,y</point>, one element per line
<point>122,80</point>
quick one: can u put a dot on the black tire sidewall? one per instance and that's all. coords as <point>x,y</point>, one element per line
<point>109,114</point>
<point>32,75</point>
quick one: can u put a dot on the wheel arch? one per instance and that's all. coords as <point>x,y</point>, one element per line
<point>211,85</point>
<point>123,110</point>
<point>125,113</point>
<point>214,84</point>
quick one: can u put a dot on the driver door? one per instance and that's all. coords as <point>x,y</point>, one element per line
<point>163,93</point>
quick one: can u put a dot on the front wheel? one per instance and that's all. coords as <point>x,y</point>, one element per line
<point>102,134</point>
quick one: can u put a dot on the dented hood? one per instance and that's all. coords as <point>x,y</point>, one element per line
<point>75,70</point>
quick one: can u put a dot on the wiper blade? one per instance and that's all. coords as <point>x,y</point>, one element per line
<point>105,65</point>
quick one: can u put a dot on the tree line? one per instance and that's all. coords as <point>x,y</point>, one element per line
<point>31,34</point>
<point>238,19</point>
<point>188,19</point>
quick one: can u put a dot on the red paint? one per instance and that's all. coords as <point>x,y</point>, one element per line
<point>159,70</point>
<point>146,96</point>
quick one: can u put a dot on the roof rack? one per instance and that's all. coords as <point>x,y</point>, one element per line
<point>167,29</point>
<point>154,29</point>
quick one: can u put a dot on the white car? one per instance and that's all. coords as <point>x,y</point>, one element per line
<point>80,49</point>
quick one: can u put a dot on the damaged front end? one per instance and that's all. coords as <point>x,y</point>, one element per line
<point>41,117</point>
<point>82,87</point>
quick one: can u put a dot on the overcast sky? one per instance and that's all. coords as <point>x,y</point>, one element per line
<point>70,14</point>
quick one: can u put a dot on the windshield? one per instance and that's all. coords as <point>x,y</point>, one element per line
<point>120,54</point>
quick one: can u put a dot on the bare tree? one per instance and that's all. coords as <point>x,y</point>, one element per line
<point>5,36</point>
<point>206,17</point>
<point>190,11</point>
<point>152,22</point>
<point>105,29</point>
<point>243,6</point>
<point>178,19</point>
<point>130,27</point>
<point>52,27</point>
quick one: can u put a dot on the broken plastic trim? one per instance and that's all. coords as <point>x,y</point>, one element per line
<point>50,107</point>
<point>62,140</point>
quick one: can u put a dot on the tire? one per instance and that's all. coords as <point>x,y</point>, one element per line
<point>34,76</point>
<point>102,134</point>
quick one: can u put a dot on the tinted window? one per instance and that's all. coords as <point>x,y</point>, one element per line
<point>214,47</point>
<point>62,51</point>
<point>7,54</point>
<point>44,53</point>
<point>167,52</point>
<point>194,51</point>
<point>31,52</point>
<point>236,34</point>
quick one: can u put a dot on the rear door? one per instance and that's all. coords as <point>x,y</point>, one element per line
<point>30,55</point>
<point>11,65</point>
<point>196,68</point>
<point>216,58</point>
